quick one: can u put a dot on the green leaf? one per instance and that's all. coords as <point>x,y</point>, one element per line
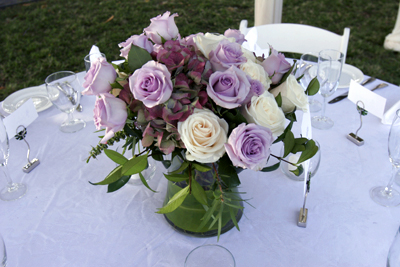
<point>300,140</point>
<point>313,87</point>
<point>137,57</point>
<point>286,75</point>
<point>311,150</point>
<point>291,116</point>
<point>175,201</point>
<point>117,85</point>
<point>201,167</point>
<point>118,184</point>
<point>233,217</point>
<point>115,156</point>
<point>176,177</point>
<point>157,155</point>
<point>227,172</point>
<point>183,167</point>
<point>298,148</point>
<point>134,165</point>
<point>271,168</point>
<point>113,176</point>
<point>278,99</point>
<point>298,171</point>
<point>282,136</point>
<point>288,143</point>
<point>198,192</point>
<point>145,182</point>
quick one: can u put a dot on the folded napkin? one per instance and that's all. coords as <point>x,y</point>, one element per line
<point>390,113</point>
<point>94,53</point>
<point>251,44</point>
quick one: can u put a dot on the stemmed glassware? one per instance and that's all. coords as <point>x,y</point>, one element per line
<point>386,195</point>
<point>62,93</point>
<point>3,253</point>
<point>308,66</point>
<point>12,191</point>
<point>330,63</point>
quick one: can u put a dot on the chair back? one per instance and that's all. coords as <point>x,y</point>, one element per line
<point>297,38</point>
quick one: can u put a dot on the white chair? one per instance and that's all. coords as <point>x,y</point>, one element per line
<point>296,38</point>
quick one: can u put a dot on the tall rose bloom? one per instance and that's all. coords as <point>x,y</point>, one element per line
<point>139,40</point>
<point>249,146</point>
<point>109,112</point>
<point>228,89</point>
<point>151,84</point>
<point>239,37</point>
<point>263,110</point>
<point>99,77</point>
<point>276,65</point>
<point>204,136</point>
<point>292,95</point>
<point>225,55</point>
<point>162,26</point>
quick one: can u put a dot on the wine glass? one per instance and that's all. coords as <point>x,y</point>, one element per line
<point>393,258</point>
<point>3,253</point>
<point>62,93</point>
<point>386,195</point>
<point>308,66</point>
<point>330,63</point>
<point>12,191</point>
<point>313,166</point>
<point>210,255</point>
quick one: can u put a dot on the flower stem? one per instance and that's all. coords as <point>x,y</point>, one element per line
<point>219,182</point>
<point>282,159</point>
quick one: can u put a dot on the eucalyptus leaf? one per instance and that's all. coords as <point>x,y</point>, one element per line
<point>118,184</point>
<point>145,182</point>
<point>198,192</point>
<point>135,165</point>
<point>137,57</point>
<point>115,156</point>
<point>271,168</point>
<point>175,201</point>
<point>313,87</point>
<point>113,176</point>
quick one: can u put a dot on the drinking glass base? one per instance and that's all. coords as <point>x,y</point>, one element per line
<point>16,191</point>
<point>322,123</point>
<point>72,126</point>
<point>380,196</point>
<point>315,105</point>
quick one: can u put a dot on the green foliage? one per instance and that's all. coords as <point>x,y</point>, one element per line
<point>313,87</point>
<point>278,100</point>
<point>175,201</point>
<point>137,57</point>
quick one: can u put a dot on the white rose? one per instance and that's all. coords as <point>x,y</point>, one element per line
<point>292,95</point>
<point>204,135</point>
<point>248,54</point>
<point>263,110</point>
<point>208,42</point>
<point>256,72</point>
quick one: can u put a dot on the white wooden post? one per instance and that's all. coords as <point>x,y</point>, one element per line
<point>267,12</point>
<point>392,41</point>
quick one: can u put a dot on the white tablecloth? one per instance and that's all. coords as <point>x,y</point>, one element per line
<point>65,221</point>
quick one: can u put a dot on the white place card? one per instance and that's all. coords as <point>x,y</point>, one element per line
<point>373,103</point>
<point>24,115</point>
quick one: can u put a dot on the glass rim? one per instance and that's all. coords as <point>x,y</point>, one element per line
<point>87,57</point>
<point>71,73</point>
<point>210,245</point>
<point>327,51</point>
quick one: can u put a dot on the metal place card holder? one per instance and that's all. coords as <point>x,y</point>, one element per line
<point>31,164</point>
<point>354,137</point>
<point>302,222</point>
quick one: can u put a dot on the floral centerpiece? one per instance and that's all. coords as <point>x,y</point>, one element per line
<point>206,102</point>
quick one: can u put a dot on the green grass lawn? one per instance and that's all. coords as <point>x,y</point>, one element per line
<point>42,37</point>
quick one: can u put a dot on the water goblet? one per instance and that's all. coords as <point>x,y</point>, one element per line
<point>12,191</point>
<point>308,66</point>
<point>88,59</point>
<point>386,195</point>
<point>62,93</point>
<point>330,63</point>
<point>313,166</point>
<point>211,256</point>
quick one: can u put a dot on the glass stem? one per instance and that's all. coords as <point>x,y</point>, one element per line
<point>388,188</point>
<point>323,108</point>
<point>10,183</point>
<point>70,117</point>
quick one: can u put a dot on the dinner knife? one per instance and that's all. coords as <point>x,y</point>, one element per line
<point>343,96</point>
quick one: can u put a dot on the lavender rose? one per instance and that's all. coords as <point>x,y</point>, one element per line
<point>228,89</point>
<point>239,37</point>
<point>151,84</point>
<point>109,112</point>
<point>249,146</point>
<point>162,26</point>
<point>276,65</point>
<point>99,77</point>
<point>226,54</point>
<point>138,40</point>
